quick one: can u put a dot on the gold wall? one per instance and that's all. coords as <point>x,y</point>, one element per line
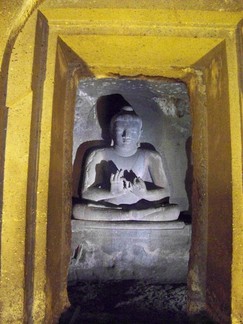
<point>46,48</point>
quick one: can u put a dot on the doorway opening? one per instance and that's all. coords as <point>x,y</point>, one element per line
<point>116,260</point>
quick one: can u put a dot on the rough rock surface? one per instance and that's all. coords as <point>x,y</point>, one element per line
<point>128,301</point>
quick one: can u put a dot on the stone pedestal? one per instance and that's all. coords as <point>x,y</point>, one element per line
<point>153,251</point>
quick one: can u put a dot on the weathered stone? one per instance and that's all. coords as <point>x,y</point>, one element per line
<point>157,251</point>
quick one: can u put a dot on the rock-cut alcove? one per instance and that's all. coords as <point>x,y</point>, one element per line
<point>164,109</point>
<point>156,252</point>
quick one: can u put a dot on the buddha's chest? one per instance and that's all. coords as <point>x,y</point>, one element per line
<point>133,167</point>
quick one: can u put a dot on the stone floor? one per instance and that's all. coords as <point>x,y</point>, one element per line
<point>128,302</point>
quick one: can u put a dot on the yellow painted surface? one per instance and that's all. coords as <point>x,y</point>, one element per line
<point>24,47</point>
<point>237,186</point>
<point>140,16</point>
<point>39,303</point>
<point>13,213</point>
<point>13,16</point>
<point>135,53</point>
<point>126,42</point>
<point>217,5</point>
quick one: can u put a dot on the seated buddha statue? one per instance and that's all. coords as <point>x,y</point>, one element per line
<point>123,181</point>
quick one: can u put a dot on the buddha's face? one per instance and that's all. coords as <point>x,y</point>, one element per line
<point>126,134</point>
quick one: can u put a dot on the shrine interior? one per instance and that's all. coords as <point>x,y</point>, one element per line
<point>118,265</point>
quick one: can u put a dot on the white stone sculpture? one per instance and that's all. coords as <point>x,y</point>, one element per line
<point>124,181</point>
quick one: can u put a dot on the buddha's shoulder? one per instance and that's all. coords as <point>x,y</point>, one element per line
<point>149,154</point>
<point>99,153</point>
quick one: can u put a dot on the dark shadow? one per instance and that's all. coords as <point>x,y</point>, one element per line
<point>129,302</point>
<point>107,107</point>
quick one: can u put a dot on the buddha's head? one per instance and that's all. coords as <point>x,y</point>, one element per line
<point>126,129</point>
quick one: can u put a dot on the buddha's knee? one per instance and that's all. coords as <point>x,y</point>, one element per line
<point>172,212</point>
<point>78,211</point>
